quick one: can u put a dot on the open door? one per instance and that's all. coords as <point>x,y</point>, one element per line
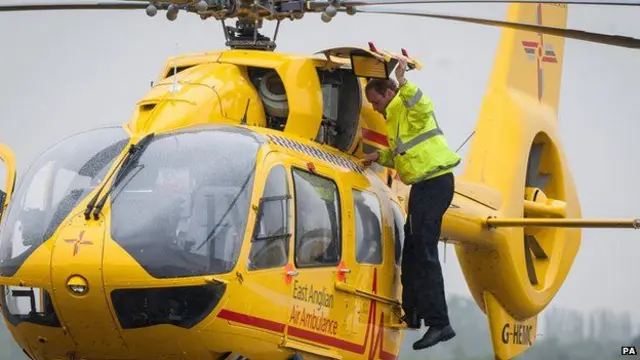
<point>7,177</point>
<point>368,63</point>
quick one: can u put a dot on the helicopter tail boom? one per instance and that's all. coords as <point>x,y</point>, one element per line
<point>517,152</point>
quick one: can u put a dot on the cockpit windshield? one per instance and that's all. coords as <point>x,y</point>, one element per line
<point>181,209</point>
<point>57,181</point>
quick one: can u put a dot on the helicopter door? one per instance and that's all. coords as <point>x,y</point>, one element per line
<point>372,281</point>
<point>318,312</point>
<point>266,281</point>
<point>7,177</point>
<point>369,63</point>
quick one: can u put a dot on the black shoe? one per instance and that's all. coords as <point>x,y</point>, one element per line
<point>433,336</point>
<point>412,320</point>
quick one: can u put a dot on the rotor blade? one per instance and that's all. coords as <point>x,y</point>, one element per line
<point>572,2</point>
<point>76,5</point>
<point>536,248</point>
<point>615,40</point>
<point>531,270</point>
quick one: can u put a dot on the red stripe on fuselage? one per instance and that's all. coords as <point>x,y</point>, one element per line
<point>371,333</point>
<point>325,340</point>
<point>251,320</point>
<point>375,137</point>
<point>297,332</point>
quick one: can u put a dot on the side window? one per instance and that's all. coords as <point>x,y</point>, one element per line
<point>398,225</point>
<point>317,202</point>
<point>368,228</point>
<point>270,241</point>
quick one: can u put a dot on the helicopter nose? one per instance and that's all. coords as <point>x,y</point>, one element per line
<point>78,289</point>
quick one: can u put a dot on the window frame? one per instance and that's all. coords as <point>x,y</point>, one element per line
<point>339,218</point>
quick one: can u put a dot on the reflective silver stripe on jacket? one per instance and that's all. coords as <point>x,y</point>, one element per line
<point>401,147</point>
<point>414,99</point>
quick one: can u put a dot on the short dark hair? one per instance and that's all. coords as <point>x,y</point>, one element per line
<point>381,85</point>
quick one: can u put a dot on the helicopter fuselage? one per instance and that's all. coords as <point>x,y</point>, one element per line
<point>230,215</point>
<point>222,236</point>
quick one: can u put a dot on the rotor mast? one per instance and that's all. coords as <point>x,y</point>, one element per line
<point>246,35</point>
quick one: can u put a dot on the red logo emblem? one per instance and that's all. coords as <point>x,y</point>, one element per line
<point>77,242</point>
<point>540,53</point>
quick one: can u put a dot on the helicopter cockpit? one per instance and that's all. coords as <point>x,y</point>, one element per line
<point>183,210</point>
<point>180,211</point>
<point>52,187</point>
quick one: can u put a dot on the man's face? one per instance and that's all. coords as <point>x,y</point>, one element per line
<point>379,101</point>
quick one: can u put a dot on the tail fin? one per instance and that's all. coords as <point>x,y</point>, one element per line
<point>531,63</point>
<point>517,152</point>
<point>510,337</point>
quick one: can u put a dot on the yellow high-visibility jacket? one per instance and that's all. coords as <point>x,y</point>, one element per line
<point>418,149</point>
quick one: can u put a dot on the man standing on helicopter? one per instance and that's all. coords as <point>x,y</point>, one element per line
<point>418,151</point>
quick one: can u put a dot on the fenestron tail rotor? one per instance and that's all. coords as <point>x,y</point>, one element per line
<point>535,182</point>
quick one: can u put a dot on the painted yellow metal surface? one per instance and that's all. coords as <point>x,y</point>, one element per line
<point>7,168</point>
<point>99,298</point>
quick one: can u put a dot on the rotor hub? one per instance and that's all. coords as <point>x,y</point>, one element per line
<point>245,35</point>
<point>535,194</point>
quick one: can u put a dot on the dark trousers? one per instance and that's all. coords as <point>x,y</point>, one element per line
<point>422,282</point>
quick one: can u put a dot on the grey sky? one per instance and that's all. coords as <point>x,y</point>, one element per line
<point>67,71</point>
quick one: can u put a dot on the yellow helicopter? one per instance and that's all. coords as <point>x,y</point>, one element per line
<point>230,217</point>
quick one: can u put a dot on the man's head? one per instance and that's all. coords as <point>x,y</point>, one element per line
<point>379,92</point>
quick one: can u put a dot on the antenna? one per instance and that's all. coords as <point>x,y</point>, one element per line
<point>243,121</point>
<point>465,141</point>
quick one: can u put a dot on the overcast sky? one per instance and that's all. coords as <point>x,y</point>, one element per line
<point>67,71</point>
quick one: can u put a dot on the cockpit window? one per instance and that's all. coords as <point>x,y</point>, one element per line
<point>57,181</point>
<point>182,209</point>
